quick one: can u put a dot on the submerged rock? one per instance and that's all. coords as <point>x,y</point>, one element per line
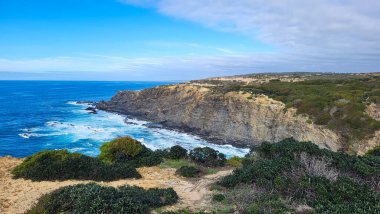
<point>90,109</point>
<point>153,125</point>
<point>92,103</point>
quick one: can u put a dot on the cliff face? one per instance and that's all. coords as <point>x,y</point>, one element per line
<point>373,110</point>
<point>233,118</point>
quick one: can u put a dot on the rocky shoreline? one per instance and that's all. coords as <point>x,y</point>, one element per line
<point>178,128</point>
<point>231,118</point>
<point>181,129</point>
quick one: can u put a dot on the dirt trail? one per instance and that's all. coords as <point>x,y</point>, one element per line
<point>19,195</point>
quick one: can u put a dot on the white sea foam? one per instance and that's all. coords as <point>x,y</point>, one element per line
<point>24,135</point>
<point>87,132</point>
<point>29,135</point>
<point>78,103</point>
<point>79,149</point>
<point>133,121</point>
<point>81,131</point>
<point>29,130</point>
<point>75,103</point>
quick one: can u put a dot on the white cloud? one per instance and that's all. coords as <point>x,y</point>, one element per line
<point>320,32</point>
<point>313,35</point>
<point>100,67</point>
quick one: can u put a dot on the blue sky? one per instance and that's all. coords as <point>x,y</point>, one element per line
<point>180,40</point>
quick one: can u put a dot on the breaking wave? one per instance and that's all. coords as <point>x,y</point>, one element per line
<point>86,132</point>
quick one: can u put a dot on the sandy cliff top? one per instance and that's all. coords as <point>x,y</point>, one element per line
<point>19,195</point>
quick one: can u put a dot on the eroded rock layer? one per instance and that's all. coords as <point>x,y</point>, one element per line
<point>233,118</point>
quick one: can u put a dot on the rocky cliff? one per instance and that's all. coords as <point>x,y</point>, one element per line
<point>233,118</point>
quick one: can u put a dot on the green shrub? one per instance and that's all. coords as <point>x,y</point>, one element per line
<point>211,171</point>
<point>177,152</point>
<point>262,172</point>
<point>120,149</point>
<point>188,171</point>
<point>164,153</point>
<point>218,197</point>
<point>235,161</point>
<point>63,165</point>
<point>207,156</point>
<point>341,196</point>
<point>183,212</point>
<point>278,168</point>
<point>153,159</point>
<point>374,152</point>
<point>92,198</point>
<point>128,150</point>
<point>269,205</point>
<point>176,164</point>
<point>317,97</point>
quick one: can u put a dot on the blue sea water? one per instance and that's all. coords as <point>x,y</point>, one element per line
<point>40,115</point>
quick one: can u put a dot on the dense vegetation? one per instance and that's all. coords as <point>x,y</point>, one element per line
<point>129,150</point>
<point>118,159</point>
<point>63,165</point>
<point>289,173</point>
<point>188,171</point>
<point>337,102</point>
<point>92,198</point>
<point>177,152</point>
<point>207,156</point>
<point>374,152</point>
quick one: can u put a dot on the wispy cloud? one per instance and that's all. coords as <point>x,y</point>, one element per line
<point>103,67</point>
<point>319,33</point>
<point>313,35</point>
<point>190,45</point>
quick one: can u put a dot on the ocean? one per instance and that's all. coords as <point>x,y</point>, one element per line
<point>48,115</point>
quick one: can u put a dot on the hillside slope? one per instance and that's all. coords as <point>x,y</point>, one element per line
<point>232,117</point>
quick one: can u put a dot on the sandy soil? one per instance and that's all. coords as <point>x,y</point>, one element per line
<point>18,195</point>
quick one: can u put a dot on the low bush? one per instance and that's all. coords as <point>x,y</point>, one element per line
<point>176,164</point>
<point>63,165</point>
<point>131,151</point>
<point>269,205</point>
<point>188,171</point>
<point>242,196</point>
<point>153,159</point>
<point>183,212</point>
<point>218,197</point>
<point>366,167</point>
<point>177,152</point>
<point>121,149</point>
<point>327,181</point>
<point>207,156</point>
<point>92,198</point>
<point>341,196</point>
<point>235,161</point>
<point>210,171</point>
<point>374,152</point>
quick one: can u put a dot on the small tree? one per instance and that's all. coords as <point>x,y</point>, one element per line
<point>121,149</point>
<point>207,156</point>
<point>177,152</point>
<point>188,171</point>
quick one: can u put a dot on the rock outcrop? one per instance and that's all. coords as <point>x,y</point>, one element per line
<point>373,110</point>
<point>233,118</point>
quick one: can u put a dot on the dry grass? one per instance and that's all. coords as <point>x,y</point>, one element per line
<point>318,166</point>
<point>243,195</point>
<point>19,195</point>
